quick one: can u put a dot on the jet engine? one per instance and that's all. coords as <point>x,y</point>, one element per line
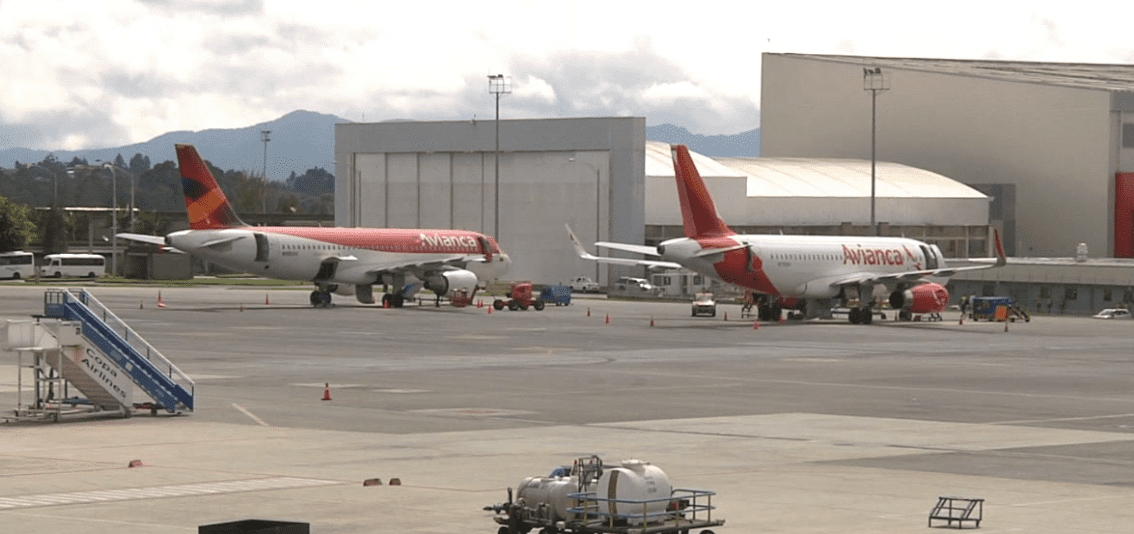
<point>452,283</point>
<point>924,298</point>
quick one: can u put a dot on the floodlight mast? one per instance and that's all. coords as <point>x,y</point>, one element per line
<point>498,84</point>
<point>875,81</point>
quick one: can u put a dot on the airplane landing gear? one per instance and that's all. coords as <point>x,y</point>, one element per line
<point>392,301</point>
<point>321,299</point>
<point>861,315</point>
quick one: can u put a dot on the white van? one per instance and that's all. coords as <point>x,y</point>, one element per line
<point>60,265</point>
<point>17,265</point>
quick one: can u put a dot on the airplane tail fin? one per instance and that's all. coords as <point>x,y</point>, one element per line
<point>207,206</point>
<point>698,212</point>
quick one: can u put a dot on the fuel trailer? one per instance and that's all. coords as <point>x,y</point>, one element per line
<point>586,497</point>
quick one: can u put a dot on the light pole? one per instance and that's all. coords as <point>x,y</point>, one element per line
<point>875,81</point>
<point>264,176</point>
<point>498,84</point>
<point>113,218</point>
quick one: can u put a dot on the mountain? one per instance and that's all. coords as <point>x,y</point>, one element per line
<point>302,140</point>
<point>741,145</point>
<point>299,141</point>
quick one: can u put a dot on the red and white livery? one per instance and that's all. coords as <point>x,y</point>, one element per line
<point>798,272</point>
<point>450,263</point>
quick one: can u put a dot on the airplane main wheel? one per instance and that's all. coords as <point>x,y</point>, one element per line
<point>314,298</point>
<point>397,301</point>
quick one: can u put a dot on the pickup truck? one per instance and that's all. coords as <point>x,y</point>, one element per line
<point>583,284</point>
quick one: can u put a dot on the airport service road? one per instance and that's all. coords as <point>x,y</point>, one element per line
<point>798,417</point>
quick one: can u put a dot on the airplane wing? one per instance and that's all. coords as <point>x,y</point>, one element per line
<point>151,239</point>
<point>458,261</point>
<point>640,249</point>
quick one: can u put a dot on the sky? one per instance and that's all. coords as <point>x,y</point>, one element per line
<point>92,74</point>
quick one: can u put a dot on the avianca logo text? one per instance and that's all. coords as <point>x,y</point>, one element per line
<point>877,256</point>
<point>437,240</point>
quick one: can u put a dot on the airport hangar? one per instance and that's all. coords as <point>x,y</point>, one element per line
<point>1051,143</point>
<point>604,179</point>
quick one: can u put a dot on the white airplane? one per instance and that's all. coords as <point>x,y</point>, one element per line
<point>797,272</point>
<point>451,263</point>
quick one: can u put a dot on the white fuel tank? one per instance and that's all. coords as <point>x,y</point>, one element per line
<point>635,480</point>
<point>552,491</point>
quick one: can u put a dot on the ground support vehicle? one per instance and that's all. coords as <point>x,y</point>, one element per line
<point>1113,313</point>
<point>588,498</point>
<point>583,284</point>
<point>558,295</point>
<point>985,308</point>
<point>703,304</point>
<point>519,298</point>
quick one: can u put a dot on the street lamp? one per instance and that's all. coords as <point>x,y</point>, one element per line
<point>264,176</point>
<point>875,81</point>
<point>498,84</point>
<point>113,217</point>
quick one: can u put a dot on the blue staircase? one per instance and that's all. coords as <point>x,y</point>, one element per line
<point>161,380</point>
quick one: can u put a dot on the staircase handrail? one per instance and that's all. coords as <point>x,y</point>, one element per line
<point>133,339</point>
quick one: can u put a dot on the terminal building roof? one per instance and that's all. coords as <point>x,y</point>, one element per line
<point>816,177</point>
<point>1109,77</point>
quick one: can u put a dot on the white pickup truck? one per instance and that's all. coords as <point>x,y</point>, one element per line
<point>583,284</point>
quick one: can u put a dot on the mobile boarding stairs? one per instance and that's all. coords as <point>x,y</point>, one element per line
<point>80,344</point>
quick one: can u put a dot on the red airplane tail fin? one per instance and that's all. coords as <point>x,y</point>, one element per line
<point>698,212</point>
<point>207,206</point>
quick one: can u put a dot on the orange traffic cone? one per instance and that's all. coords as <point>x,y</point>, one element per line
<point>160,303</point>
<point>327,391</point>
<point>608,318</point>
<point>1006,325</point>
<point>242,307</point>
<point>490,309</point>
<point>782,320</point>
<point>266,303</point>
<point>651,321</point>
<point>755,325</point>
<point>962,318</point>
<point>588,311</point>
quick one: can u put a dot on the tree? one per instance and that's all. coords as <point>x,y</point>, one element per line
<point>139,164</point>
<point>16,227</point>
<point>120,162</point>
<point>55,230</point>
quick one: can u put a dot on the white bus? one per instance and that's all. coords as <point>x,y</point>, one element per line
<point>60,265</point>
<point>17,265</point>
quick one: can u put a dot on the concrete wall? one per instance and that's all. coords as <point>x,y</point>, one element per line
<point>588,173</point>
<point>1055,144</point>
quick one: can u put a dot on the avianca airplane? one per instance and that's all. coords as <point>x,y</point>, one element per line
<point>797,272</point>
<point>451,263</point>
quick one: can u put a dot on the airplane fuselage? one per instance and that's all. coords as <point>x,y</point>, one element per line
<point>351,256</point>
<point>798,266</point>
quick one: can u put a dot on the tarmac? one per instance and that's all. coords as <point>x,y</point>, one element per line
<point>798,427</point>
